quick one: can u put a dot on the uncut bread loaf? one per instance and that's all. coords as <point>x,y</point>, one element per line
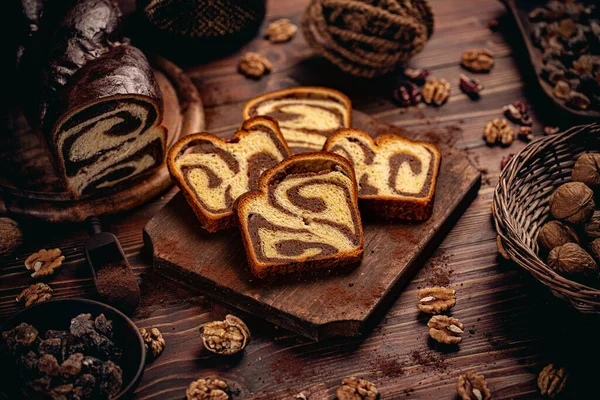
<point>212,173</point>
<point>303,217</point>
<point>396,177</point>
<point>307,115</point>
<point>93,97</point>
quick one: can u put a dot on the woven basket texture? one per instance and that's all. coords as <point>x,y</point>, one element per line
<point>520,206</point>
<point>367,38</point>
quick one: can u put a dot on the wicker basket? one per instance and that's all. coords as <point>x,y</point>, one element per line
<point>520,206</point>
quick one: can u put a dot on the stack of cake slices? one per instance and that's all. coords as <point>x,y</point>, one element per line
<point>300,213</point>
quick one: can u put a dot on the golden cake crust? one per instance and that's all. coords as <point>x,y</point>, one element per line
<point>303,92</point>
<point>416,207</point>
<point>300,165</point>
<point>212,221</point>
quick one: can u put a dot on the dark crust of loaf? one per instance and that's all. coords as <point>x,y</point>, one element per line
<point>210,222</point>
<point>299,163</point>
<point>410,208</point>
<point>302,91</point>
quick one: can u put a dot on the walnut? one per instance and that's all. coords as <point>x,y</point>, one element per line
<point>471,386</point>
<point>253,65</point>
<point>435,300</point>
<point>552,380</point>
<point>36,293</point>
<point>499,131</point>
<point>436,91</point>
<point>573,202</point>
<point>587,169</point>
<point>11,236</point>
<point>207,389</point>
<point>225,337</point>
<point>154,341</point>
<point>44,262</point>
<point>592,227</point>
<point>445,329</point>
<point>595,249</point>
<point>570,259</point>
<point>478,60</point>
<point>281,31</point>
<point>356,389</point>
<point>554,234</point>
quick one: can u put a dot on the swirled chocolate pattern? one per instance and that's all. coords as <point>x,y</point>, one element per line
<point>307,116</point>
<point>213,173</point>
<point>396,177</point>
<point>110,126</point>
<point>303,217</point>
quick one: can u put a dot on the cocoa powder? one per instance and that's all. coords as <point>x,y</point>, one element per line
<point>117,286</point>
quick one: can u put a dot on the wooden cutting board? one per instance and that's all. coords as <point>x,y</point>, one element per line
<point>338,305</point>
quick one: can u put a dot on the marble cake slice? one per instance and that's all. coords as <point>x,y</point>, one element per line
<point>304,217</point>
<point>307,115</point>
<point>213,173</point>
<point>396,177</point>
<point>109,129</point>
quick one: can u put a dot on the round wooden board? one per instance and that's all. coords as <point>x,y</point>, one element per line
<point>29,186</point>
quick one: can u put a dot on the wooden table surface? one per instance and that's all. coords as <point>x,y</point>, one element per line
<point>513,325</point>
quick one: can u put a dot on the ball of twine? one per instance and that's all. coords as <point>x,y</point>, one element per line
<point>367,38</point>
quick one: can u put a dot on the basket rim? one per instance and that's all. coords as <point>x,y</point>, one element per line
<point>576,293</point>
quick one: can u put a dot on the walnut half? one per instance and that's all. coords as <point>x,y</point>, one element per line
<point>356,389</point>
<point>44,262</point>
<point>207,389</point>
<point>254,66</point>
<point>225,337</point>
<point>34,294</point>
<point>552,380</point>
<point>154,341</point>
<point>436,91</point>
<point>281,31</point>
<point>499,131</point>
<point>445,329</point>
<point>478,60</point>
<point>435,300</point>
<point>471,386</point>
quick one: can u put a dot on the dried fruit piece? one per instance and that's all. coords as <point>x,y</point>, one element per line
<point>538,14</point>
<point>525,133</point>
<point>34,294</point>
<point>356,389</point>
<point>470,86</point>
<point>517,112</point>
<point>20,337</point>
<point>445,329</point>
<point>435,300</point>
<point>554,234</point>
<point>407,94</point>
<point>208,389</point>
<point>552,380</point>
<point>253,65</point>
<point>111,379</point>
<point>436,91</point>
<point>578,100</point>
<point>478,60</point>
<point>499,131</point>
<point>72,366</point>
<point>572,202</point>
<point>417,75</point>
<point>154,341</point>
<point>11,236</point>
<point>301,396</point>
<point>571,260</point>
<point>48,365</point>
<point>225,337</point>
<point>281,31</point>
<point>551,130</point>
<point>471,386</point>
<point>44,262</point>
<point>587,169</point>
<point>505,160</point>
<point>562,90</point>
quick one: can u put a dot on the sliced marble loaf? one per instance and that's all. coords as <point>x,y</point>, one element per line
<point>212,173</point>
<point>304,217</point>
<point>307,115</point>
<point>396,177</point>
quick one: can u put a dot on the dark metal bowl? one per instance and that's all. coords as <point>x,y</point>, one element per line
<point>57,314</point>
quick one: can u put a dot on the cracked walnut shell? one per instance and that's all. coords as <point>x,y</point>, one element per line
<point>254,66</point>
<point>34,294</point>
<point>436,91</point>
<point>44,262</point>
<point>478,60</point>
<point>445,329</point>
<point>225,337</point>
<point>356,389</point>
<point>281,31</point>
<point>207,389</point>
<point>154,341</point>
<point>471,386</point>
<point>552,380</point>
<point>435,300</point>
<point>499,131</point>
